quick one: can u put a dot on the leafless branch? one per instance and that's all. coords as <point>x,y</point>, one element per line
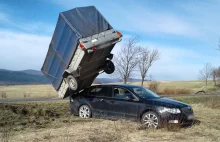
<point>219,44</point>
<point>127,58</point>
<point>146,60</point>
<point>205,73</point>
<point>216,76</point>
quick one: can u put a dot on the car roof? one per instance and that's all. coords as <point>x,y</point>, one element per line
<point>121,85</point>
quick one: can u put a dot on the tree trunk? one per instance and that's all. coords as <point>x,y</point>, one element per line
<point>206,82</point>
<point>214,80</point>
<point>124,81</point>
<point>142,82</point>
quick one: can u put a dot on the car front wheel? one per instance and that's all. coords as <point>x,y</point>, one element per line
<point>85,111</point>
<point>150,119</point>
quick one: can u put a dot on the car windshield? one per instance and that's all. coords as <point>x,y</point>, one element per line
<point>144,93</point>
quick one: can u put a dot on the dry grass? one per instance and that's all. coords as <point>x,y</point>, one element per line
<point>169,91</point>
<point>69,128</point>
<point>154,86</point>
<point>124,131</point>
<point>192,86</point>
<point>21,91</point>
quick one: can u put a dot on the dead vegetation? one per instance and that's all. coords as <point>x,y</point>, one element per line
<point>3,94</point>
<point>154,86</point>
<point>51,121</point>
<point>177,91</point>
<point>27,94</point>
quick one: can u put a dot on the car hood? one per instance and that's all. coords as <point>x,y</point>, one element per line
<point>165,102</point>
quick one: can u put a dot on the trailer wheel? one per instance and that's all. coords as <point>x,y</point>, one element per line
<point>109,67</point>
<point>72,82</point>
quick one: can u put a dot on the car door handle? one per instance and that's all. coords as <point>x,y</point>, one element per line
<point>92,100</point>
<point>112,102</point>
<point>101,100</point>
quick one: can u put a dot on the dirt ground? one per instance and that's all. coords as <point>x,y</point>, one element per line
<point>99,130</point>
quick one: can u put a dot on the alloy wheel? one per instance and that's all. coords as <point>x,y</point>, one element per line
<point>150,120</point>
<point>84,111</point>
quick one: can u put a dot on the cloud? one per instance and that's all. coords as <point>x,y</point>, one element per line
<point>31,27</point>
<point>4,18</point>
<point>150,22</point>
<point>204,15</point>
<point>140,18</point>
<point>22,51</point>
<point>176,63</point>
<point>179,63</point>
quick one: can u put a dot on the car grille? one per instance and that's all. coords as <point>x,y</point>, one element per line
<point>187,110</point>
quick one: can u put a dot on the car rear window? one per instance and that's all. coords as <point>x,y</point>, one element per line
<point>100,92</point>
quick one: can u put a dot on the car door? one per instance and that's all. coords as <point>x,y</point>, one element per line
<point>123,104</point>
<point>97,96</point>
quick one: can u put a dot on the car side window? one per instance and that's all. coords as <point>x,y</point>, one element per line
<point>92,91</point>
<point>100,92</point>
<point>121,93</point>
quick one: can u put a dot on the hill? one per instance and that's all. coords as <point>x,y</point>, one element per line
<point>34,72</point>
<point>29,76</point>
<point>8,77</point>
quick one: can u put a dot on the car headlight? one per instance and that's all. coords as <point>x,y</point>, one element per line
<point>170,110</point>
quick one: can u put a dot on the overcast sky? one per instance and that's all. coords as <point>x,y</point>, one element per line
<point>186,32</point>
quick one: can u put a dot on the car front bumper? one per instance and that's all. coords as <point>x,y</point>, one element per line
<point>186,117</point>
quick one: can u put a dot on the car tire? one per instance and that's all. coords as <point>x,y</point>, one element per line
<point>109,67</point>
<point>72,83</point>
<point>85,111</point>
<point>150,119</point>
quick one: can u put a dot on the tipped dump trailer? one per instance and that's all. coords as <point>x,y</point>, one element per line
<point>80,50</point>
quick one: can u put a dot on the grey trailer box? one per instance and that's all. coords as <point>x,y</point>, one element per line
<point>80,49</point>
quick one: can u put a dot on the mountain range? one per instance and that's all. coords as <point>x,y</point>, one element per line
<point>27,77</point>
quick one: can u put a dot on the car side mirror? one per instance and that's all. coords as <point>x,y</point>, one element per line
<point>136,100</point>
<point>127,98</point>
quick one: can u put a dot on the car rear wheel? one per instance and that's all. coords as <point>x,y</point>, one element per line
<point>72,82</point>
<point>110,67</point>
<point>85,111</point>
<point>150,119</point>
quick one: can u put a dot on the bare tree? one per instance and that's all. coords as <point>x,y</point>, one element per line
<point>127,59</point>
<point>219,44</point>
<point>216,76</point>
<point>146,60</point>
<point>205,73</point>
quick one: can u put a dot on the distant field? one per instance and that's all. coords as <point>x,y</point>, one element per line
<point>21,91</point>
<point>193,86</point>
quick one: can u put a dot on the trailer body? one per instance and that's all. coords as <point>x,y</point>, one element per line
<point>81,45</point>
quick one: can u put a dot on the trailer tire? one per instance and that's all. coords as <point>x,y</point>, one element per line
<point>72,83</point>
<point>109,67</point>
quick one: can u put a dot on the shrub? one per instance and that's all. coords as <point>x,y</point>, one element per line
<point>26,95</point>
<point>168,91</point>
<point>182,91</point>
<point>4,94</point>
<point>154,86</point>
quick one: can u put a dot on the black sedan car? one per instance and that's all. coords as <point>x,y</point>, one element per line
<point>130,102</point>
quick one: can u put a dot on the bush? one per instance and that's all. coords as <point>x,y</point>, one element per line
<point>4,94</point>
<point>154,86</point>
<point>168,91</point>
<point>27,94</point>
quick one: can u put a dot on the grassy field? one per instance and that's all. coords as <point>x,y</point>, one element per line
<point>21,91</point>
<point>51,121</point>
<point>193,86</point>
